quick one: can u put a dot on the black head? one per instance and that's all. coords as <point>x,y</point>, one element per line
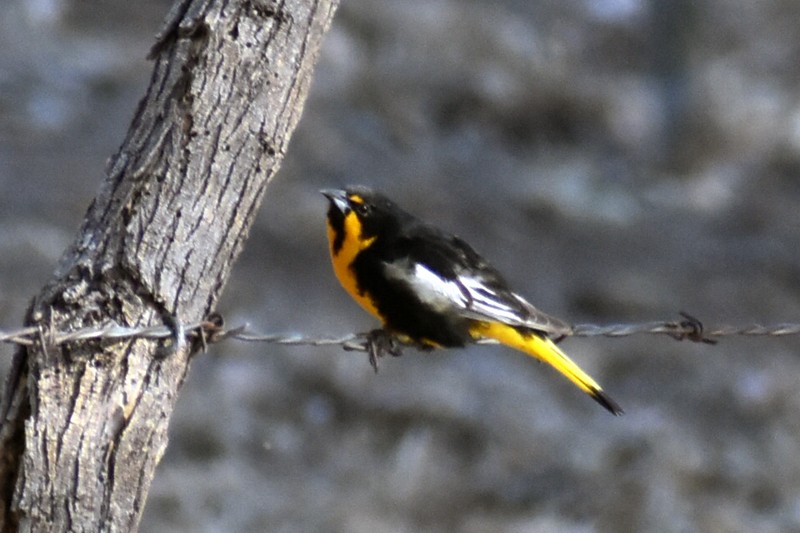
<point>375,213</point>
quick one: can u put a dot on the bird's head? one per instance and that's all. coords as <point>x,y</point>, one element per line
<point>359,212</point>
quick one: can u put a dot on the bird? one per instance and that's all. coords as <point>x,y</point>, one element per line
<point>431,289</point>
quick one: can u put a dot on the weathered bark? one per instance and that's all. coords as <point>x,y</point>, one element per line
<point>86,423</point>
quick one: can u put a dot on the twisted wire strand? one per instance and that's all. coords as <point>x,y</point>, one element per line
<point>211,331</point>
<point>673,329</point>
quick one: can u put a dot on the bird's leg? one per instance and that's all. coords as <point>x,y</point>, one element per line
<point>380,341</point>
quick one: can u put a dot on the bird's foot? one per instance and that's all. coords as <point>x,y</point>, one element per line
<point>378,342</point>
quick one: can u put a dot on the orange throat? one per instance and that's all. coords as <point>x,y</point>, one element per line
<point>343,259</point>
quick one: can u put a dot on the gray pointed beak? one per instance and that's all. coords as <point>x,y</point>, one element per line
<point>338,198</point>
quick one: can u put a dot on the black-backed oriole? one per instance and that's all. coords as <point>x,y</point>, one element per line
<point>431,288</point>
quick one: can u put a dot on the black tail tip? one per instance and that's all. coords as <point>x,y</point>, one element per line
<point>606,401</point>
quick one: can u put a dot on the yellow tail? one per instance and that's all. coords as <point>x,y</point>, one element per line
<point>544,349</point>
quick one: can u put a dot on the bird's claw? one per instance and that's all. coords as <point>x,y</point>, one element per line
<point>378,342</point>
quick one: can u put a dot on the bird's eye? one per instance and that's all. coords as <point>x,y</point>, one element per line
<point>362,209</point>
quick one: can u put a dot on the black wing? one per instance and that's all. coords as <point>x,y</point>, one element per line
<point>448,274</point>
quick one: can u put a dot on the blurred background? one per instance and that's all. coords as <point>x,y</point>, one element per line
<point>619,160</point>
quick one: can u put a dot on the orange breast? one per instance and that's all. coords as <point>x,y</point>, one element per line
<point>344,257</point>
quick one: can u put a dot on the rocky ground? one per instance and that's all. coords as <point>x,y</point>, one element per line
<point>619,160</point>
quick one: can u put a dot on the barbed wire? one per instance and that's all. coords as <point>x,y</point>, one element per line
<point>212,331</point>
